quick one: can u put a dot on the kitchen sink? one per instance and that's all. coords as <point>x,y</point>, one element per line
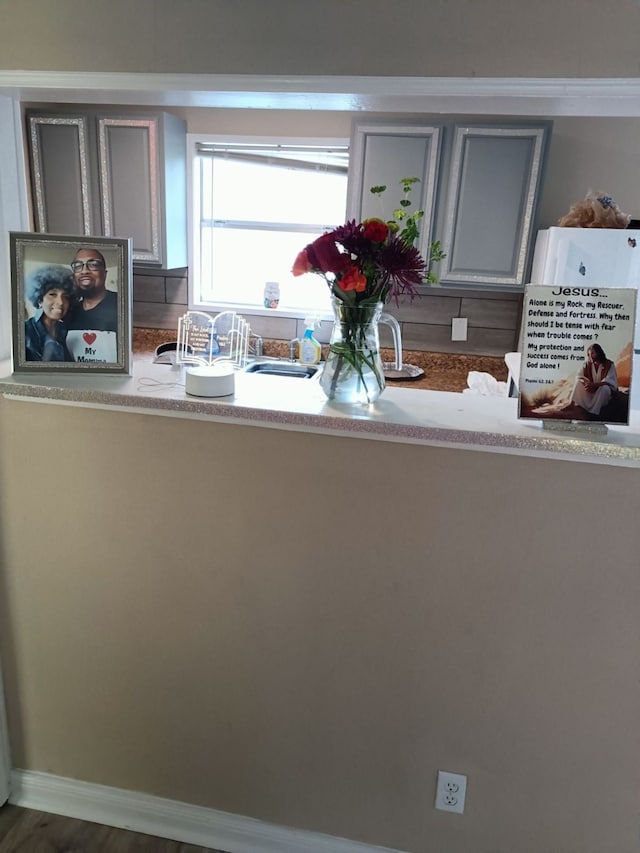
<point>288,369</point>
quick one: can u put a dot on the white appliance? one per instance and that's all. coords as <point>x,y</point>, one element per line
<point>592,257</point>
<point>589,257</point>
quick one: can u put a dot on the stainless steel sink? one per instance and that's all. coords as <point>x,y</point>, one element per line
<point>288,369</point>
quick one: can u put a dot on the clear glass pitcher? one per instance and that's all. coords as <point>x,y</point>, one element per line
<point>354,371</point>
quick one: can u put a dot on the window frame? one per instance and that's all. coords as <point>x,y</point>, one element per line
<point>193,139</point>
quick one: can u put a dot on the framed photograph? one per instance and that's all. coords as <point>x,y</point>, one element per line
<point>71,299</point>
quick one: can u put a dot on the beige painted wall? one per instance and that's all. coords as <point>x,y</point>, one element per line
<point>304,629</point>
<point>466,38</point>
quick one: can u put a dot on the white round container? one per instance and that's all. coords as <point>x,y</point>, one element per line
<point>216,380</point>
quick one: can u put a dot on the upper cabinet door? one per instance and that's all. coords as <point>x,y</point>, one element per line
<point>384,154</point>
<point>494,182</point>
<point>128,168</point>
<point>60,174</point>
<point>142,172</point>
<point>103,173</point>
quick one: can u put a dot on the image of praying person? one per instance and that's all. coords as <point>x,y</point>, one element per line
<point>596,382</point>
<point>50,290</point>
<point>93,320</point>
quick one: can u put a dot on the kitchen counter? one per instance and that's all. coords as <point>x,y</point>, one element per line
<point>442,371</point>
<point>466,421</point>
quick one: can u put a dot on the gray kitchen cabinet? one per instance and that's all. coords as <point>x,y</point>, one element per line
<point>60,169</point>
<point>113,175</point>
<point>490,206</point>
<point>480,185</point>
<point>383,155</point>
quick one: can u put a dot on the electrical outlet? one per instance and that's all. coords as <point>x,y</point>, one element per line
<point>459,329</point>
<point>451,792</point>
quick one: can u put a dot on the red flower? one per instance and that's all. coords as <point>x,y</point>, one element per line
<point>301,264</point>
<point>353,280</point>
<point>375,230</point>
<point>324,255</point>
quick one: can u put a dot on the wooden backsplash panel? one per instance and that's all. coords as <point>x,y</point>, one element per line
<point>274,328</point>
<point>176,289</point>
<point>149,288</point>
<point>480,341</point>
<point>156,315</point>
<point>492,313</point>
<point>435,309</point>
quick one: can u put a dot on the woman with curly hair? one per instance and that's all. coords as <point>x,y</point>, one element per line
<point>50,290</point>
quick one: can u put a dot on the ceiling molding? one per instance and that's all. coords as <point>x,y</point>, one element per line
<point>516,96</point>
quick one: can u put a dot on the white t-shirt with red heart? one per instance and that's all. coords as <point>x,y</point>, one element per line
<point>93,346</point>
<point>92,335</point>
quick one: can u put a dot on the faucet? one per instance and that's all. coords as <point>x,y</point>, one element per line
<point>257,349</point>
<point>293,349</point>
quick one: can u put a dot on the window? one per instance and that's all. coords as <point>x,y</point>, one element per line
<point>255,205</point>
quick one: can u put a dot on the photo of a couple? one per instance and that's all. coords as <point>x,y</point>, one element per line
<point>73,298</point>
<point>76,316</point>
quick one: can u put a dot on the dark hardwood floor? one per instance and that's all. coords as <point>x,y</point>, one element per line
<point>28,831</point>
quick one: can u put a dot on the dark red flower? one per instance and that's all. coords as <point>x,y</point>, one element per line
<point>324,255</point>
<point>351,237</point>
<point>404,265</point>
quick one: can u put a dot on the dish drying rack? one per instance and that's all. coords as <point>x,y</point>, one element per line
<point>206,340</point>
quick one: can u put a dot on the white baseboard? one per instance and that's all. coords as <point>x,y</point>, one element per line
<point>170,819</point>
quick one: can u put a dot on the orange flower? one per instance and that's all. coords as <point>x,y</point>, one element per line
<point>353,280</point>
<point>375,230</point>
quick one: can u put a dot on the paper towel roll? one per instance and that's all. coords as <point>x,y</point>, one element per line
<point>216,380</point>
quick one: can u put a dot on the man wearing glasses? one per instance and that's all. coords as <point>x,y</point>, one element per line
<point>93,320</point>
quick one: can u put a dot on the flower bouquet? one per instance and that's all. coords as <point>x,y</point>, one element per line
<point>365,264</point>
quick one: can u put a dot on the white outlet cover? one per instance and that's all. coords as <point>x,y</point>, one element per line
<point>451,792</point>
<point>459,329</point>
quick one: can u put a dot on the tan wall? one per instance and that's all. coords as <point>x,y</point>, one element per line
<point>465,38</point>
<point>304,629</point>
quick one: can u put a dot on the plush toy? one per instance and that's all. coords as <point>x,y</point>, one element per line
<point>595,211</point>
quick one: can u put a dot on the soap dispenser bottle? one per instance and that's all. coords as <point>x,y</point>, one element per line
<point>310,349</point>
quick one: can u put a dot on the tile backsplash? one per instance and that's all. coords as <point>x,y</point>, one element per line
<point>160,297</point>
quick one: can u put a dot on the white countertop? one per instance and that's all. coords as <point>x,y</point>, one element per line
<point>466,421</point>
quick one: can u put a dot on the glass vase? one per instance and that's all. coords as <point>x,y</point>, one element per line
<point>353,372</point>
